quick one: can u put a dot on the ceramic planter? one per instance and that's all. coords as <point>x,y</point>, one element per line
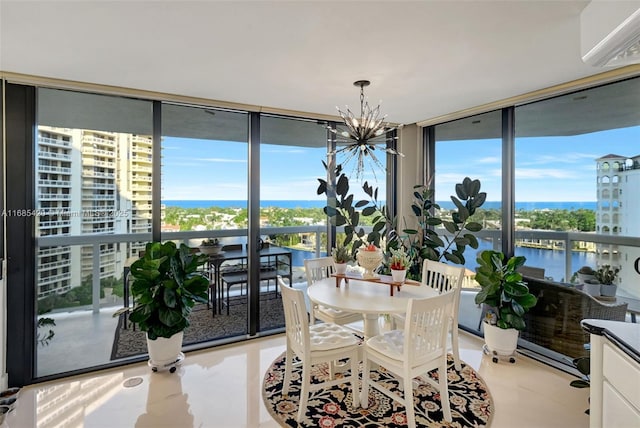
<point>165,351</point>
<point>591,288</point>
<point>341,268</point>
<point>608,290</point>
<point>499,340</point>
<point>398,275</point>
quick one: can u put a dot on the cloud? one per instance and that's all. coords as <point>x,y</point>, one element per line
<point>541,173</point>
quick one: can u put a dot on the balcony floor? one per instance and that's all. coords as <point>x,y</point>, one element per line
<point>221,387</point>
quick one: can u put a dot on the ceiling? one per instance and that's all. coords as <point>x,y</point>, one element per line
<point>424,58</point>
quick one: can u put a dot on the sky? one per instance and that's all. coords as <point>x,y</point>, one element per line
<point>547,168</point>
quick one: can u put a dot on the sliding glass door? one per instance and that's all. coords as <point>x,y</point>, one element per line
<point>292,223</point>
<point>93,176</point>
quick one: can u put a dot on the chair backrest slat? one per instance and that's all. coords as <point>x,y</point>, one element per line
<point>295,317</point>
<point>318,268</point>
<point>441,276</point>
<point>427,326</point>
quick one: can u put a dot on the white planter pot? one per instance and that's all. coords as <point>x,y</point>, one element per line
<point>499,340</point>
<point>608,290</point>
<point>398,275</point>
<point>591,289</point>
<point>341,268</point>
<point>164,351</point>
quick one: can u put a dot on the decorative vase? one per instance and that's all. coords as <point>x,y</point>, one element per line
<point>502,341</point>
<point>369,260</point>
<point>165,351</point>
<point>398,275</point>
<point>341,268</point>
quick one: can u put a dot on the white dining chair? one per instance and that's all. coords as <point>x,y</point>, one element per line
<point>444,277</point>
<point>315,344</point>
<point>317,269</point>
<point>419,347</point>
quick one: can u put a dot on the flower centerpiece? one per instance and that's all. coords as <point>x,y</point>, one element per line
<point>399,262</point>
<point>210,246</point>
<point>341,256</point>
<point>369,257</point>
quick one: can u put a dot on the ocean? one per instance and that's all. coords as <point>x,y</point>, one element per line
<point>318,203</point>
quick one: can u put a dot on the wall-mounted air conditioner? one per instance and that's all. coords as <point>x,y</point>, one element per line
<point>611,38</point>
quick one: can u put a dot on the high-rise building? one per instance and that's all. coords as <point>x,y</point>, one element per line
<point>618,184</point>
<point>89,182</point>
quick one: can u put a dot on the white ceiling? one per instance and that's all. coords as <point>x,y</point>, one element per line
<point>424,58</point>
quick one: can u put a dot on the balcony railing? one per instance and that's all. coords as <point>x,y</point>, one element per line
<point>470,313</point>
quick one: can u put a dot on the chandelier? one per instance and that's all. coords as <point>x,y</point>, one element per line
<point>363,134</point>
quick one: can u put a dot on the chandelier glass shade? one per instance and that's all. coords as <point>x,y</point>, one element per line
<point>361,136</point>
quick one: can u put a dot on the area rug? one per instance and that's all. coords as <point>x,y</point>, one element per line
<point>471,402</point>
<point>204,326</point>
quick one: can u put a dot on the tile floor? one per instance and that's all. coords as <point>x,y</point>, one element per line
<point>222,388</point>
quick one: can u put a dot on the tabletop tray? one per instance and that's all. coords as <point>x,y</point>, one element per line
<point>380,279</point>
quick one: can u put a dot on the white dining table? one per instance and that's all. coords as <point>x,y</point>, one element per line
<point>368,298</point>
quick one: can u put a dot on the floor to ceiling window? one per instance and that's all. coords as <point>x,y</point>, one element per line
<point>291,155</point>
<point>92,160</point>
<point>577,172</point>
<point>204,196</point>
<point>471,147</point>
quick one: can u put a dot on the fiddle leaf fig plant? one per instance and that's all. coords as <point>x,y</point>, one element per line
<point>502,288</point>
<point>435,237</point>
<point>166,285</point>
<point>343,210</point>
<point>427,240</point>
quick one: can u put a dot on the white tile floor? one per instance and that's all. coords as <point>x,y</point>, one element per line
<point>222,388</point>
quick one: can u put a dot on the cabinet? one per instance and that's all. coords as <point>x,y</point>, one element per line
<point>615,374</point>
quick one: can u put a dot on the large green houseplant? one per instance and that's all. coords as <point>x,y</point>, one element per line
<point>507,299</point>
<point>502,288</point>
<point>435,235</point>
<point>167,283</point>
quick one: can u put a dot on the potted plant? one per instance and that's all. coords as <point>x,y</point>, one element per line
<point>166,285</point>
<point>399,262</point>
<point>606,275</point>
<point>341,256</point>
<point>433,237</point>
<point>210,246</point>
<point>507,297</point>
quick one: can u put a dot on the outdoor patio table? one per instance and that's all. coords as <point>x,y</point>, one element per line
<point>270,253</point>
<point>369,298</point>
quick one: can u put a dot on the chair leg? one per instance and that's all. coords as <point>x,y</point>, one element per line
<point>364,394</point>
<point>454,347</point>
<point>444,390</point>
<point>288,368</point>
<point>305,383</point>
<point>408,401</point>
<point>355,393</point>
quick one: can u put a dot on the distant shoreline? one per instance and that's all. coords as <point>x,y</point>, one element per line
<point>292,204</point>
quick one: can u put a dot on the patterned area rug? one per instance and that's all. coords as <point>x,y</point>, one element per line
<point>204,326</point>
<point>471,403</point>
